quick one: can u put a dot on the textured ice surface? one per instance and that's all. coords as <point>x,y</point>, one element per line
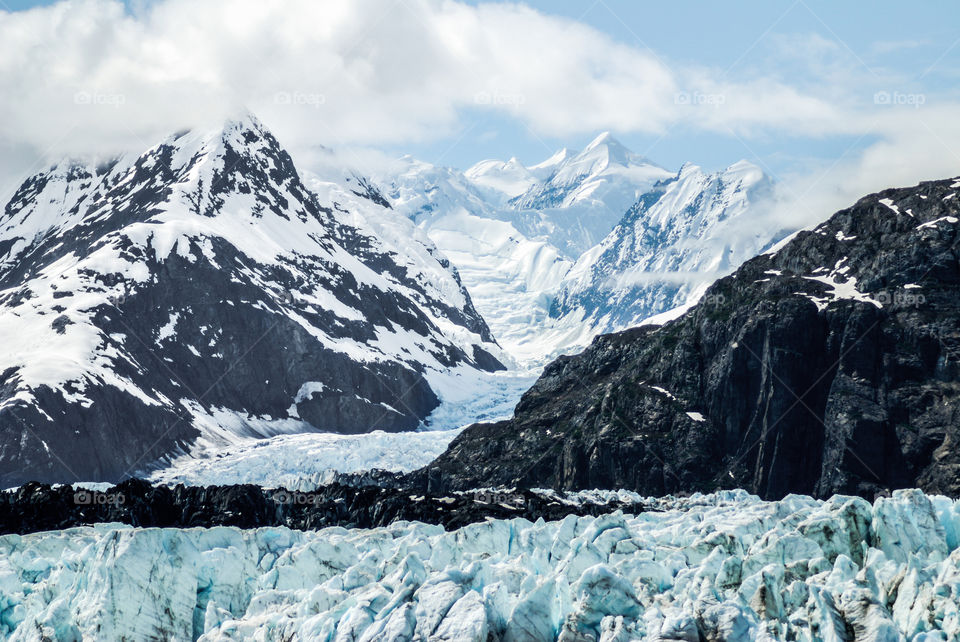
<point>303,461</point>
<point>720,567</point>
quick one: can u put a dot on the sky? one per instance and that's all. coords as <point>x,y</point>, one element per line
<point>831,99</point>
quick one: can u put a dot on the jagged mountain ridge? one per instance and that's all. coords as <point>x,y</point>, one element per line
<point>583,195</point>
<point>200,292</point>
<point>674,241</point>
<point>830,365</point>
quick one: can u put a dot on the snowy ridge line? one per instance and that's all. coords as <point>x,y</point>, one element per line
<point>718,567</point>
<point>672,242</point>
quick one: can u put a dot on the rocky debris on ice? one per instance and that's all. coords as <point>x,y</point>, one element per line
<point>722,567</point>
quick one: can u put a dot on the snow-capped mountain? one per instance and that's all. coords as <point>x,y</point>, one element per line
<point>203,291</point>
<point>583,195</point>
<point>584,242</point>
<point>674,241</point>
<point>501,180</point>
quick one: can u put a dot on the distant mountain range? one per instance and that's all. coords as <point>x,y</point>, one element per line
<point>675,240</point>
<point>584,242</point>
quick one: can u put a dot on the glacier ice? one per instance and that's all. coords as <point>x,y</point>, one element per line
<point>725,566</point>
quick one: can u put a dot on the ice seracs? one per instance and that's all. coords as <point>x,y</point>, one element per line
<point>717,567</point>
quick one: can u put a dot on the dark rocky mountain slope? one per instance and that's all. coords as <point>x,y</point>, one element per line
<point>829,366</point>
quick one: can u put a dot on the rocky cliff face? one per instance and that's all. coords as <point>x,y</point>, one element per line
<point>202,291</point>
<point>829,366</point>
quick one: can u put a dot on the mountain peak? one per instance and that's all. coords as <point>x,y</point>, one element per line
<point>744,168</point>
<point>688,169</point>
<point>607,150</point>
<point>604,138</point>
<point>242,119</point>
<point>234,129</point>
<point>509,178</point>
<point>543,168</point>
<point>201,243</point>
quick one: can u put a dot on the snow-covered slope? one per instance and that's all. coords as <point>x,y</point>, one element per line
<point>514,232</point>
<point>305,461</point>
<point>678,238</point>
<point>724,567</point>
<point>501,180</point>
<point>204,291</point>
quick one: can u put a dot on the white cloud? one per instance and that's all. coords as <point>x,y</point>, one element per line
<point>87,76</point>
<point>358,71</point>
<point>84,73</point>
<point>918,144</point>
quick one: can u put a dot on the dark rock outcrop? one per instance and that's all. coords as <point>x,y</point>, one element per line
<point>829,366</point>
<point>37,507</point>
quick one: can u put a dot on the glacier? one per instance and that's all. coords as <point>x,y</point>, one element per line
<point>719,567</point>
<point>306,460</point>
